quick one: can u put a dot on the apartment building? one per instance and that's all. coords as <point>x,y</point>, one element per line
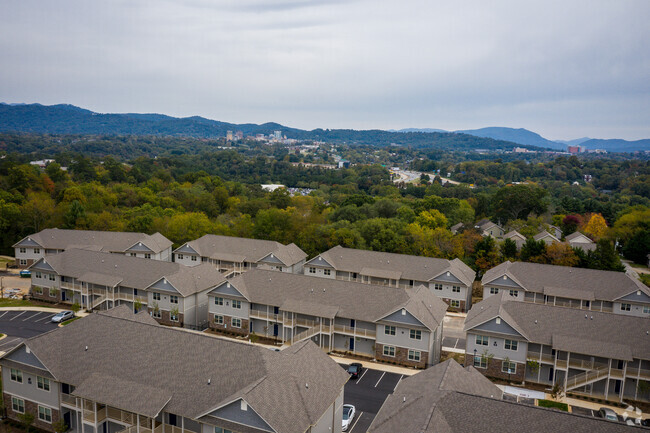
<point>587,352</point>
<point>488,228</point>
<point>587,289</point>
<point>53,241</point>
<point>579,240</point>
<point>452,399</point>
<point>546,237</point>
<point>516,237</point>
<point>174,294</point>
<point>119,372</point>
<point>390,324</point>
<point>450,280</point>
<point>232,255</point>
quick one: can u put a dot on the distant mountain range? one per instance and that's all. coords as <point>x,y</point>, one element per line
<point>69,119</point>
<point>526,137</point>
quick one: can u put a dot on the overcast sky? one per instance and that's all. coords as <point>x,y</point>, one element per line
<point>564,69</point>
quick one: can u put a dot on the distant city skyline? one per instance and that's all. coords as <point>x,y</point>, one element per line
<point>564,70</point>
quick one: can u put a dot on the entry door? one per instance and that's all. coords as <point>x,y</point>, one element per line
<point>351,343</point>
<point>275,329</point>
<point>63,299</point>
<point>352,323</point>
<point>67,419</point>
<point>550,374</point>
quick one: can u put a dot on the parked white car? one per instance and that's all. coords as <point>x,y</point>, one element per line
<point>348,415</point>
<point>62,316</point>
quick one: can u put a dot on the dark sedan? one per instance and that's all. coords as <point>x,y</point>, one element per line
<point>354,370</point>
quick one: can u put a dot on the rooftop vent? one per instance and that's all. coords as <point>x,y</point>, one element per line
<point>403,399</point>
<point>86,349</point>
<point>535,321</point>
<point>592,317</point>
<point>323,289</point>
<point>307,385</point>
<point>209,381</point>
<point>586,316</point>
<point>498,320</point>
<point>403,311</point>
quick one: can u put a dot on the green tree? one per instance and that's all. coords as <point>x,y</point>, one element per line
<point>533,251</point>
<point>509,249</point>
<point>431,218</point>
<point>518,201</point>
<point>638,247</point>
<point>604,257</point>
<point>75,215</point>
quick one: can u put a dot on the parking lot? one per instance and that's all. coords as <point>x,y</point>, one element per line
<point>367,394</point>
<point>19,325</point>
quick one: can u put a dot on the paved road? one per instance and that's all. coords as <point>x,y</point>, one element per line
<point>452,333</point>
<point>19,325</point>
<point>367,394</point>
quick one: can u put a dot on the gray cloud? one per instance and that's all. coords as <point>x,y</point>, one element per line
<point>563,69</point>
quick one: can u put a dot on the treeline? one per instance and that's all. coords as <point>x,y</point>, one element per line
<point>186,196</point>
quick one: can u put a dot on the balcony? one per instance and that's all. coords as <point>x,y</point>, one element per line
<point>584,365</point>
<point>359,332</point>
<point>616,373</point>
<point>635,371</point>
<point>120,415</point>
<point>545,357</point>
<point>69,400</point>
<point>264,315</point>
<point>561,363</point>
<point>69,286</point>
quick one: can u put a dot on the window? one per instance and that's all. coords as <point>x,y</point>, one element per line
<point>414,355</point>
<point>236,323</point>
<point>437,286</point>
<point>514,293</point>
<point>18,405</point>
<point>180,256</point>
<point>327,271</point>
<point>23,262</point>
<point>454,303</point>
<point>389,330</point>
<point>415,334</point>
<point>312,270</point>
<point>194,258</point>
<point>646,310</point>
<point>222,430</point>
<point>455,289</point>
<point>147,255</point>
<point>43,383</point>
<point>23,250</point>
<point>52,277</point>
<point>218,320</point>
<point>156,314</point>
<point>509,367</point>
<point>16,375</point>
<point>156,296</point>
<point>173,316</point>
<point>236,304</point>
<point>173,299</point>
<point>494,291</point>
<point>37,274</point>
<point>480,361</point>
<point>133,255</point>
<point>625,307</point>
<point>482,340</point>
<point>511,344</point>
<point>389,350</point>
<point>45,414</point>
<point>37,250</point>
<point>218,301</point>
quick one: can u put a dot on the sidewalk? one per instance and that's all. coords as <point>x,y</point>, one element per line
<point>377,366</point>
<point>44,309</point>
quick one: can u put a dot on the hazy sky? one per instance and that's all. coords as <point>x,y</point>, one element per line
<point>564,69</point>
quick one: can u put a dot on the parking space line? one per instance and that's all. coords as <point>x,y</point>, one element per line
<point>398,381</point>
<point>456,343</point>
<point>354,424</point>
<point>382,376</point>
<point>19,314</point>
<point>32,316</point>
<point>46,317</point>
<point>364,373</point>
<point>3,314</point>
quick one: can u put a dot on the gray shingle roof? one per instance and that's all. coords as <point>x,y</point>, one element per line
<point>239,249</point>
<point>178,364</point>
<point>411,406</point>
<point>576,235</point>
<point>514,234</point>
<point>579,331</point>
<point>393,265</point>
<point>111,269</point>
<point>449,399</point>
<point>534,277</point>
<point>349,300</point>
<point>543,234</point>
<point>61,239</point>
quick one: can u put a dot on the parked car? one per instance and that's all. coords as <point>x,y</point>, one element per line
<point>25,273</point>
<point>355,369</point>
<point>607,414</point>
<point>645,422</point>
<point>62,316</point>
<point>348,415</point>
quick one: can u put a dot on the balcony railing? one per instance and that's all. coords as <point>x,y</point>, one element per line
<point>168,428</point>
<point>359,332</point>
<point>264,315</point>
<point>634,371</point>
<point>586,377</point>
<point>69,399</point>
<point>584,364</point>
<point>120,415</point>
<point>89,415</point>
<point>616,372</point>
<point>561,363</point>
<point>545,357</point>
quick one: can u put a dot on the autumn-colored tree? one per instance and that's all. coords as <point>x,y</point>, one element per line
<point>596,227</point>
<point>432,219</point>
<point>561,255</point>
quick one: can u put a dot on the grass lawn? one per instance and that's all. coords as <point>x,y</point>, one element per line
<point>7,302</point>
<point>70,321</point>
<point>553,405</point>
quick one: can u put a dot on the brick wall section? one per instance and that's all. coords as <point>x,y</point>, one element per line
<point>227,326</point>
<point>401,356</point>
<point>494,369</point>
<point>165,318</point>
<point>45,294</point>
<point>29,263</point>
<point>30,407</point>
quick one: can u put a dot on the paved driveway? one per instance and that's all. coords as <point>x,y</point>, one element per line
<point>19,325</point>
<point>367,394</point>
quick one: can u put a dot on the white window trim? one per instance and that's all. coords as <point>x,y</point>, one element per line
<point>626,307</point>
<point>218,319</point>
<point>389,330</point>
<point>507,370</point>
<point>485,340</point>
<point>17,399</point>
<point>19,373</point>
<point>413,334</point>
<point>454,303</point>
<point>39,414</point>
<point>233,324</point>
<point>414,352</point>
<point>236,304</point>
<point>481,359</point>
<point>388,354</point>
<point>218,300</point>
<point>505,343</point>
<point>43,380</point>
